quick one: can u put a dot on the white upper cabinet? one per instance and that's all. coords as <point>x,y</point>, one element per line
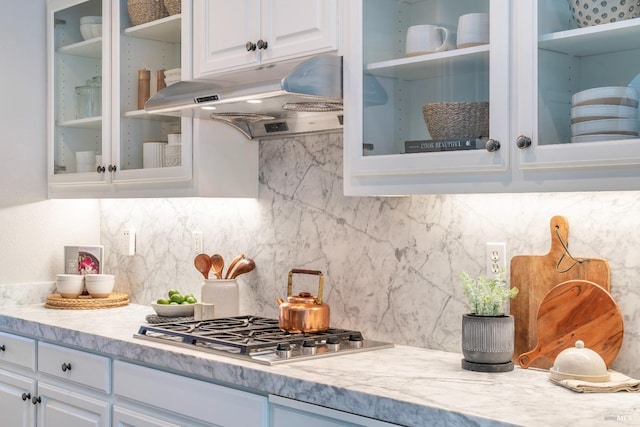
<point>102,143</point>
<point>535,60</point>
<point>239,34</point>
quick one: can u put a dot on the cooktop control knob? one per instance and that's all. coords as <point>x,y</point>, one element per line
<point>283,350</point>
<point>309,347</point>
<point>333,343</point>
<point>355,340</point>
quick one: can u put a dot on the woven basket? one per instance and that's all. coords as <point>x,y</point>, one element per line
<point>450,120</point>
<point>174,7</point>
<point>143,11</point>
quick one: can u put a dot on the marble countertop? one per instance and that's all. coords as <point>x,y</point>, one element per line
<point>404,385</point>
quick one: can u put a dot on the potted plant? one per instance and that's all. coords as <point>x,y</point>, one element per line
<point>487,332</point>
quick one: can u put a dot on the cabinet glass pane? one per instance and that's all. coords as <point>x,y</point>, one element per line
<point>402,74</point>
<point>149,46</point>
<point>78,92</point>
<point>587,85</point>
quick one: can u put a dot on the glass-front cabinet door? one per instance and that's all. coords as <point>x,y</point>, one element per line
<point>428,95</point>
<point>578,85</point>
<point>78,122</point>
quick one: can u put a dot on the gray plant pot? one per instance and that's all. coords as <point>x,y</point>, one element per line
<point>487,343</point>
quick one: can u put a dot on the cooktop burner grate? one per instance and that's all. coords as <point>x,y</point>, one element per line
<point>255,338</point>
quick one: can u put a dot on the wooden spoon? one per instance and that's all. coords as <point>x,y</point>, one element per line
<point>233,264</point>
<point>244,266</point>
<point>203,264</point>
<point>217,265</point>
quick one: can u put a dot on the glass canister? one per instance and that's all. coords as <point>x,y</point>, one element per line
<point>89,98</point>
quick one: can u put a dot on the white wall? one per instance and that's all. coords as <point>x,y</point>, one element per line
<point>33,230</point>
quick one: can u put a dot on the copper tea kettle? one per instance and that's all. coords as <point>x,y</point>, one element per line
<point>303,312</point>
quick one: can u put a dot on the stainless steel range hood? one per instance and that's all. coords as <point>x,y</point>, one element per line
<point>284,98</point>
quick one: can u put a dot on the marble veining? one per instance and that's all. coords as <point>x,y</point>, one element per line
<point>404,385</point>
<point>391,263</point>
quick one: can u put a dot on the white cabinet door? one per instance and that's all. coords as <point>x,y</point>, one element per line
<point>556,60</point>
<point>125,417</point>
<point>239,34</point>
<point>386,91</point>
<point>59,406</point>
<point>16,392</point>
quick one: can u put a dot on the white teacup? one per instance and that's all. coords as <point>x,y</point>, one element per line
<point>427,39</point>
<point>473,29</point>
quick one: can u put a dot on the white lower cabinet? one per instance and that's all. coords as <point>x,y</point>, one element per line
<point>17,380</point>
<point>131,417</point>
<point>185,401</point>
<point>59,406</point>
<point>286,412</point>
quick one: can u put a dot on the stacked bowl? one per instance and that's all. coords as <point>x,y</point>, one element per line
<point>604,113</point>
<point>91,27</point>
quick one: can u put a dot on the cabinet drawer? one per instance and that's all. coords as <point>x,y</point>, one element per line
<point>201,400</point>
<point>18,351</point>
<point>85,368</point>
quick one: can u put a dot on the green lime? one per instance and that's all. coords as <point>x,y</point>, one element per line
<point>177,298</point>
<point>173,291</point>
<point>173,303</point>
<point>163,301</point>
<point>190,300</point>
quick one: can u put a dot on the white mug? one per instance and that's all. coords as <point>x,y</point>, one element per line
<point>427,39</point>
<point>473,29</point>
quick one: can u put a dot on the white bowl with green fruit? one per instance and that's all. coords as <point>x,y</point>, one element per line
<point>175,304</point>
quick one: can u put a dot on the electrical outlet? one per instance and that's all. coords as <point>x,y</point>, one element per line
<point>496,258</point>
<point>197,242</point>
<point>129,241</point>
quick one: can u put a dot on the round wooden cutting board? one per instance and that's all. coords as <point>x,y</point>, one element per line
<point>576,310</point>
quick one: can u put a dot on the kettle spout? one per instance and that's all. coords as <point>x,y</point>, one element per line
<point>279,301</point>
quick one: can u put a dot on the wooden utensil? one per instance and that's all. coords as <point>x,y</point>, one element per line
<point>217,265</point>
<point>576,310</point>
<point>535,275</point>
<point>244,266</point>
<point>233,264</point>
<point>203,264</point>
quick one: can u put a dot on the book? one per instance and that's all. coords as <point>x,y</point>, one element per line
<point>433,145</point>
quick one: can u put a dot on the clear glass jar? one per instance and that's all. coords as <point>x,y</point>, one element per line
<point>89,98</point>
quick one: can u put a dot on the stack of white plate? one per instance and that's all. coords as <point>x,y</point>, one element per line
<point>604,113</point>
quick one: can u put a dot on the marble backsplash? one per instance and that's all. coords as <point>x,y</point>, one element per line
<point>391,264</point>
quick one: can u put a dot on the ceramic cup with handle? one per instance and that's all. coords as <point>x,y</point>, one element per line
<point>427,39</point>
<point>473,29</point>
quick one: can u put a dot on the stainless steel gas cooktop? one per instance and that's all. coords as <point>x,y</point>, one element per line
<point>257,339</point>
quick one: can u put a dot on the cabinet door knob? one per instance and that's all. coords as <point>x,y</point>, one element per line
<point>250,46</point>
<point>36,400</point>
<point>112,168</point>
<point>66,367</point>
<point>492,145</point>
<point>2,347</point>
<point>101,169</point>
<point>523,142</point>
<point>262,44</point>
<point>26,396</point>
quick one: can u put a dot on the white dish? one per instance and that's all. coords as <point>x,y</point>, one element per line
<point>91,20</point>
<point>586,113</point>
<point>601,137</point>
<point>173,310</point>
<point>614,126</point>
<point>99,285</point>
<point>609,95</point>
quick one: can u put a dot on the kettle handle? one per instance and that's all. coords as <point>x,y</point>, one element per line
<point>302,271</point>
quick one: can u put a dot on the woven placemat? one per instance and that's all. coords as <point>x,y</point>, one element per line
<point>86,302</point>
<point>154,318</point>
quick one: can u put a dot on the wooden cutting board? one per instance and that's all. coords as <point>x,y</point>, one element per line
<point>576,310</point>
<point>536,275</point>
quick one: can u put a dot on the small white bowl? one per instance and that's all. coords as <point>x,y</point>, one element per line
<point>96,30</point>
<point>608,95</point>
<point>85,30</point>
<point>99,285</point>
<point>614,126</point>
<point>69,285</point>
<point>173,310</point>
<point>91,20</point>
<point>585,113</point>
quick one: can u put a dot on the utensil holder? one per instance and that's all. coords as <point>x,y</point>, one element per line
<point>223,294</point>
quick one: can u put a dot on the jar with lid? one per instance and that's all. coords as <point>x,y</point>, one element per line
<point>89,98</point>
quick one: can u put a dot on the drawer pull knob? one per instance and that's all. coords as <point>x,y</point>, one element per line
<point>2,347</point>
<point>523,142</point>
<point>36,400</point>
<point>250,46</point>
<point>112,168</point>
<point>492,145</point>
<point>262,44</point>
<point>66,367</point>
<point>26,396</point>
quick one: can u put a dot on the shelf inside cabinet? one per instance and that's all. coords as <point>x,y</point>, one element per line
<point>143,114</point>
<point>432,64</point>
<point>164,30</point>
<point>88,123</point>
<point>91,48</point>
<point>598,39</point>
